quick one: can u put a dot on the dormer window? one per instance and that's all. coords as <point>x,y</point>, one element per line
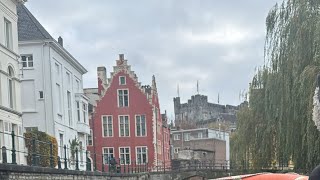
<point>122,80</point>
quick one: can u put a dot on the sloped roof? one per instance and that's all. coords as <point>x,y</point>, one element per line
<point>29,27</point>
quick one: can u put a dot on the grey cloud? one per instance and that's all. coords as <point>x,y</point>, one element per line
<point>152,34</point>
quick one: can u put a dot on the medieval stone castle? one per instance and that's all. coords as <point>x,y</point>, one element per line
<point>198,112</point>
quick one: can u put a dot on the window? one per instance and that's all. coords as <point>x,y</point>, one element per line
<point>27,61</point>
<point>8,34</point>
<point>7,127</point>
<point>57,68</point>
<point>58,91</point>
<point>107,126</point>
<point>199,135</point>
<point>68,78</point>
<point>141,125</point>
<point>108,154</point>
<point>10,87</point>
<point>84,109</point>
<point>89,138</point>
<point>61,146</point>
<point>20,131</point>
<point>122,80</point>
<point>77,85</point>
<point>176,149</point>
<point>176,137</point>
<point>141,155</point>
<point>41,95</point>
<point>187,137</point>
<point>124,126</point>
<point>159,149</point>
<point>78,110</point>
<point>123,98</point>
<point>124,155</point>
<point>69,108</point>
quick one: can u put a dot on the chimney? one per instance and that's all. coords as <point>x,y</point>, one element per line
<point>102,73</point>
<point>60,41</point>
<point>121,57</point>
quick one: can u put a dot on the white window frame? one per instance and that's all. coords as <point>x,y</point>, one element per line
<point>201,135</point>
<point>103,130</point>
<point>90,137</point>
<point>68,77</point>
<point>125,80</point>
<point>185,135</point>
<point>77,85</point>
<point>59,99</point>
<point>123,101</point>
<point>176,150</point>
<point>7,33</point>
<point>141,154</point>
<point>57,69</point>
<point>61,144</point>
<point>176,137</point>
<point>145,125</point>
<point>84,112</point>
<point>11,88</point>
<point>69,105</point>
<point>27,60</point>
<point>78,111</point>
<point>7,126</point>
<point>125,154</point>
<point>119,119</point>
<point>108,153</point>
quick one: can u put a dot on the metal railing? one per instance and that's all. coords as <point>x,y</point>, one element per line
<point>14,151</point>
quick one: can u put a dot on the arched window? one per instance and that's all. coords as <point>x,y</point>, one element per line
<point>10,87</point>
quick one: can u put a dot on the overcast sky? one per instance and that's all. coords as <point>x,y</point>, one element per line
<point>218,42</point>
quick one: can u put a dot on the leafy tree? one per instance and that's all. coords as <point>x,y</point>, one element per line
<point>277,126</point>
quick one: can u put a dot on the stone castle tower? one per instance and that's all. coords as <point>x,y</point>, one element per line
<point>198,110</point>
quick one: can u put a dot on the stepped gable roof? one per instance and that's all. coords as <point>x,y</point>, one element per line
<point>29,27</point>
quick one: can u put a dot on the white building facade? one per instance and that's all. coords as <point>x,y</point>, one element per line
<point>52,93</point>
<point>10,99</point>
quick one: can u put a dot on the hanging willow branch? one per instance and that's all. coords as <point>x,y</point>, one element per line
<point>278,121</point>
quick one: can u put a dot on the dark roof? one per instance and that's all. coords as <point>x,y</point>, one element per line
<point>29,27</point>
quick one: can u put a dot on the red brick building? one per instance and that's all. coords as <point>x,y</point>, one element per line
<point>126,122</point>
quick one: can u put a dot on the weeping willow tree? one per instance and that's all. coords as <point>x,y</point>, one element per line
<point>277,126</point>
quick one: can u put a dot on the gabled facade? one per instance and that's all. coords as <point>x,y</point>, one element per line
<point>52,93</point>
<point>127,123</point>
<point>10,99</point>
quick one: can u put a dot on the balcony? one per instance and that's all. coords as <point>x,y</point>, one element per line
<point>83,128</point>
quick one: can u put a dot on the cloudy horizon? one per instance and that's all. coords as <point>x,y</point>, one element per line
<point>218,43</point>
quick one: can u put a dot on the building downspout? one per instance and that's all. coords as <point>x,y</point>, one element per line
<point>44,85</point>
<point>53,119</point>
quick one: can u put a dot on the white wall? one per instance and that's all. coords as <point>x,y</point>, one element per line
<point>10,119</point>
<point>51,114</point>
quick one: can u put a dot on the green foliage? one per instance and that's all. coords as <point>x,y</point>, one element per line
<point>74,144</point>
<point>42,147</point>
<point>277,126</point>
